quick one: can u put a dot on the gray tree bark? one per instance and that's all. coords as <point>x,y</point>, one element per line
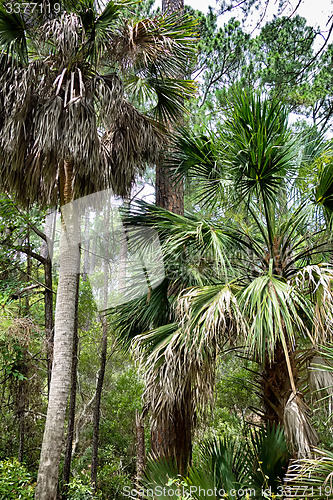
<point>72,399</point>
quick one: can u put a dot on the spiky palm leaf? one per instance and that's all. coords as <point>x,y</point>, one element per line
<point>251,155</point>
<point>161,478</point>
<point>259,149</point>
<point>324,187</point>
<point>268,456</point>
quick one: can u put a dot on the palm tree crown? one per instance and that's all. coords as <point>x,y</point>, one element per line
<point>62,98</point>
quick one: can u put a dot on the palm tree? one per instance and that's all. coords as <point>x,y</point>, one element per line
<point>60,88</point>
<point>172,407</point>
<point>260,278</point>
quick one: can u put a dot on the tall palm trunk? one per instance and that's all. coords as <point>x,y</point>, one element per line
<point>172,437</point>
<point>47,479</point>
<point>276,384</point>
<point>168,193</point>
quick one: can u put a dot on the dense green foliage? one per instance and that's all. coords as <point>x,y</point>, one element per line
<point>15,481</point>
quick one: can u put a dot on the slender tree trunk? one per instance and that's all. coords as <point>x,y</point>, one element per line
<point>100,379</point>
<point>49,322</point>
<point>46,255</point>
<point>140,447</point>
<point>48,473</point>
<point>21,436</point>
<point>97,409</point>
<point>86,259</point>
<point>21,408</point>
<point>72,399</point>
<point>21,395</point>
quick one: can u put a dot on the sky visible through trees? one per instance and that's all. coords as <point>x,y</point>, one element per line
<point>316,13</point>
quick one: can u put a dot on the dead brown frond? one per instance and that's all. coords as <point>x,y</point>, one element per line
<point>130,142</point>
<point>64,35</point>
<point>321,382</point>
<point>140,43</point>
<point>298,427</point>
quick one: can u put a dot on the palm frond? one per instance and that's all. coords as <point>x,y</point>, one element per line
<point>198,157</point>
<point>324,187</point>
<point>160,476</point>
<point>242,469</point>
<point>314,145</point>
<point>152,42</point>
<point>131,141</point>
<point>272,308</point>
<point>223,463</point>
<point>208,315</point>
<point>185,237</point>
<point>267,457</point>
<point>140,90</point>
<point>259,150</point>
<point>170,94</point>
<point>321,382</point>
<point>311,477</point>
<point>138,316</point>
<point>315,281</point>
<point>13,41</point>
